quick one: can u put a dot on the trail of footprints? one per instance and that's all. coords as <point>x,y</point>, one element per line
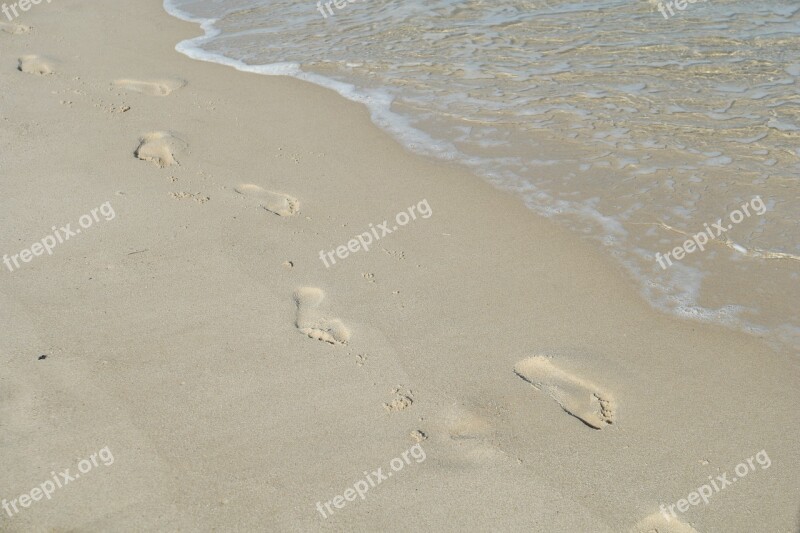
<point>161,148</point>
<point>578,397</point>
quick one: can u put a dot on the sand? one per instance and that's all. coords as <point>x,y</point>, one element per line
<point>240,384</point>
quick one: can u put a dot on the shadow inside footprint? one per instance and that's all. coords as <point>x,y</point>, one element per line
<point>274,202</point>
<point>576,396</point>
<point>309,321</point>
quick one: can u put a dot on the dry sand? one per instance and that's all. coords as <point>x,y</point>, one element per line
<point>238,382</point>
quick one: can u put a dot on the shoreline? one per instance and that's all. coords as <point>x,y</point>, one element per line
<point>686,294</point>
<point>177,337</point>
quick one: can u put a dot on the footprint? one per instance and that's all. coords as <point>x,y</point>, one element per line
<point>150,88</point>
<point>656,523</point>
<point>401,402</point>
<point>280,204</point>
<point>33,64</point>
<point>14,29</point>
<point>578,397</point>
<point>468,425</point>
<point>198,197</point>
<point>396,254</point>
<point>469,432</point>
<point>312,324</point>
<point>160,148</point>
<point>418,435</point>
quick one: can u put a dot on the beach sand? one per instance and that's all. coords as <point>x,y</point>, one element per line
<point>238,381</point>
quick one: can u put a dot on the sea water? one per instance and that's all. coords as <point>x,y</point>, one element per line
<point>632,129</point>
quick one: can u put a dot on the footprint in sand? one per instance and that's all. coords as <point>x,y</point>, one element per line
<point>469,432</point>
<point>160,148</point>
<point>578,397</point>
<point>402,401</point>
<point>280,204</point>
<point>656,523</point>
<point>14,29</point>
<point>312,324</point>
<point>468,425</point>
<point>33,64</point>
<point>150,87</point>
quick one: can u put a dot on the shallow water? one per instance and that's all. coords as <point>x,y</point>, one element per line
<point>629,128</point>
